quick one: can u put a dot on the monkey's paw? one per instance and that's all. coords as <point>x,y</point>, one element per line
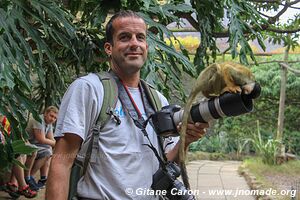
<point>232,89</point>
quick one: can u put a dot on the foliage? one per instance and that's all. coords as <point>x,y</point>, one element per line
<point>292,141</point>
<point>265,149</point>
<point>190,43</point>
<point>216,143</point>
<point>25,28</point>
<point>8,153</point>
<point>256,165</point>
<point>268,75</point>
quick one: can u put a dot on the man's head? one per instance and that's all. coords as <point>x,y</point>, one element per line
<point>50,114</point>
<point>126,42</point>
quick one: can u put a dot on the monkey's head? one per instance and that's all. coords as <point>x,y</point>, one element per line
<point>241,75</point>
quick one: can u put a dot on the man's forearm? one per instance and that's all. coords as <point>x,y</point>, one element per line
<point>58,180</point>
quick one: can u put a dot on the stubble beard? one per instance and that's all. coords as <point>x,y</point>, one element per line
<point>128,68</point>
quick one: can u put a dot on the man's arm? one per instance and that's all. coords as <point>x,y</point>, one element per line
<point>66,149</point>
<point>194,132</point>
<point>41,138</point>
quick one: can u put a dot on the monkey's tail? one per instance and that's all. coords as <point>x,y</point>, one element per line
<point>184,175</point>
<point>182,147</point>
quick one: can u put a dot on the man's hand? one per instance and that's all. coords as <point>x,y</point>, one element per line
<point>194,132</point>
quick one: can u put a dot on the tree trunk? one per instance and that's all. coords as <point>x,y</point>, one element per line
<point>280,126</point>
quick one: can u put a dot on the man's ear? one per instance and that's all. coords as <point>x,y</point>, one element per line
<point>108,48</point>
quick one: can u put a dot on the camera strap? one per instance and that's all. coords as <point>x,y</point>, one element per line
<point>133,111</point>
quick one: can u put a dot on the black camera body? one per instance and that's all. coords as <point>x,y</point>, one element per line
<point>166,179</point>
<point>227,104</point>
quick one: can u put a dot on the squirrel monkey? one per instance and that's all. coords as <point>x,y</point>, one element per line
<point>214,80</point>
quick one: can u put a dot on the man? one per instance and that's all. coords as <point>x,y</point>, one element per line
<point>122,160</point>
<point>40,135</point>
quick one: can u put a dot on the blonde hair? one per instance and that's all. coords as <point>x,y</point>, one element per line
<point>51,108</point>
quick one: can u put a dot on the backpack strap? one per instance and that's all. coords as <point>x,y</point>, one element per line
<point>110,98</point>
<point>152,95</point>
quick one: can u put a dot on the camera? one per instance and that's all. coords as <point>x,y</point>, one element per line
<point>165,179</point>
<point>227,104</point>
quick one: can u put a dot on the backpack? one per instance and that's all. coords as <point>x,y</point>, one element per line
<point>109,102</point>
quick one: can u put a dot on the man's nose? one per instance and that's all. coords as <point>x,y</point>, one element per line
<point>134,42</point>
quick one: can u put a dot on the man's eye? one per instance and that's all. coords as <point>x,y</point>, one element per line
<point>142,38</point>
<point>124,37</point>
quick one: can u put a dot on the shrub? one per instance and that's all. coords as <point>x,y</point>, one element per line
<point>265,149</point>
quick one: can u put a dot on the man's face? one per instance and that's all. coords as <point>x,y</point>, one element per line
<point>50,117</point>
<point>129,49</point>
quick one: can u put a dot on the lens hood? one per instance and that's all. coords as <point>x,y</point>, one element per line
<point>234,104</point>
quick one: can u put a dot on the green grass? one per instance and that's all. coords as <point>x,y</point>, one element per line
<point>260,170</point>
<point>256,166</point>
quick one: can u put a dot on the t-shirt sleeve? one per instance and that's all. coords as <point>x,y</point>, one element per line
<point>80,107</point>
<point>50,130</point>
<point>36,124</point>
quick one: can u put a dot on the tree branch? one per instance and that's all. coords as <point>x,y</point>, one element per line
<point>296,72</point>
<point>267,16</point>
<point>294,2</point>
<point>275,18</point>
<point>294,7</point>
<point>283,31</point>
<point>287,5</point>
<point>265,27</point>
<point>189,18</point>
<point>275,61</point>
<point>266,1</point>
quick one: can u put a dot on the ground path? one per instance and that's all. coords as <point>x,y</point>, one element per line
<point>206,177</point>
<point>218,180</point>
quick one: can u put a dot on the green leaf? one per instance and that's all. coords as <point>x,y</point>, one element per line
<point>19,147</point>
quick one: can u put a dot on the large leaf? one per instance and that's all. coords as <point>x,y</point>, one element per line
<point>19,147</point>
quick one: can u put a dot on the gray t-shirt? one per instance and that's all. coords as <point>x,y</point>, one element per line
<point>34,124</point>
<point>123,161</point>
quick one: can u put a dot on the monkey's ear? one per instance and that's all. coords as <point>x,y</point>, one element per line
<point>108,48</point>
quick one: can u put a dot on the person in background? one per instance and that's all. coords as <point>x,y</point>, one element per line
<point>40,135</point>
<point>17,185</point>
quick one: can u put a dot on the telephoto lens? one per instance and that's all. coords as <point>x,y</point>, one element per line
<point>227,104</point>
